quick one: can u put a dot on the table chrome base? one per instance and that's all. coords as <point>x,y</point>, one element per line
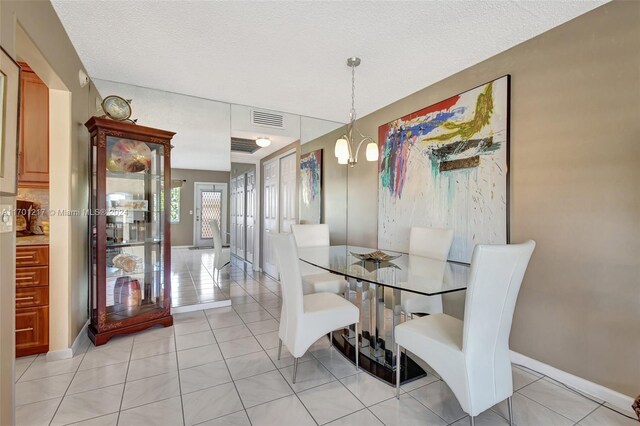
<point>343,340</point>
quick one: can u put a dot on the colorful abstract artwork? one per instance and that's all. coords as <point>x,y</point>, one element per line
<point>446,166</point>
<point>311,187</point>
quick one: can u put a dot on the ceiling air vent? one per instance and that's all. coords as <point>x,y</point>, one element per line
<point>269,119</point>
<point>244,145</point>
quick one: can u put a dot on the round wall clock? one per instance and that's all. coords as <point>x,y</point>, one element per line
<point>116,107</point>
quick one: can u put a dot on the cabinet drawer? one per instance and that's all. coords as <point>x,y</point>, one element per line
<point>32,255</point>
<point>32,330</point>
<point>32,276</point>
<point>32,296</point>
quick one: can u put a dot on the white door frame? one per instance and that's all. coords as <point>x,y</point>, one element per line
<point>261,233</point>
<point>225,197</point>
<point>250,201</point>
<point>233,216</point>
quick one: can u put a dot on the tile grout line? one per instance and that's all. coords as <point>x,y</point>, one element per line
<point>67,389</point>
<point>564,387</point>
<point>25,370</point>
<point>124,387</point>
<point>548,408</point>
<point>590,413</point>
<point>175,344</point>
<point>278,369</point>
<point>228,371</point>
<point>436,414</point>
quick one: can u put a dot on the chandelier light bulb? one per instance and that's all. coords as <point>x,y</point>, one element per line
<point>342,148</point>
<point>372,151</point>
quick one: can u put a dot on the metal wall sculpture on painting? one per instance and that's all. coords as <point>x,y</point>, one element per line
<point>446,166</point>
<point>311,187</point>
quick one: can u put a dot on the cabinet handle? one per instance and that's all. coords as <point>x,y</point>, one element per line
<point>25,257</point>
<point>22,278</point>
<point>24,298</point>
<point>24,329</point>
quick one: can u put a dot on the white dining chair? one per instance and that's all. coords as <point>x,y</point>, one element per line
<point>433,243</point>
<point>221,258</point>
<point>306,317</point>
<point>472,356</point>
<point>314,279</point>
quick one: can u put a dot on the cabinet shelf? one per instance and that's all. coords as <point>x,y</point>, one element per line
<point>134,176</point>
<point>117,273</point>
<point>115,313</point>
<point>133,243</point>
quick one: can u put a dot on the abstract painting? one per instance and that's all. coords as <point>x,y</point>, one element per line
<point>311,187</point>
<point>446,166</point>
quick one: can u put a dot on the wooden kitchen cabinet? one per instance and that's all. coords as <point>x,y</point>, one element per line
<point>32,330</point>
<point>32,299</point>
<point>33,152</point>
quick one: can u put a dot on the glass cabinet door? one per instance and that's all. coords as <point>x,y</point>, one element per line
<point>134,228</point>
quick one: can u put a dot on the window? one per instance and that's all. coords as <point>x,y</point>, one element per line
<point>174,214</point>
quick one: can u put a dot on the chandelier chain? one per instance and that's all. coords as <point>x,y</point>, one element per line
<point>353,93</point>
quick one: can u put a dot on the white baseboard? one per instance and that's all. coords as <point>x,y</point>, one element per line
<point>69,352</point>
<point>618,400</point>
<point>59,354</point>
<point>200,307</point>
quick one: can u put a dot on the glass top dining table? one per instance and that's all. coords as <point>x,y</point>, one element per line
<point>377,289</point>
<point>411,273</point>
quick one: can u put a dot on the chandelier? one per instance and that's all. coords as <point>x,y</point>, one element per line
<point>344,145</point>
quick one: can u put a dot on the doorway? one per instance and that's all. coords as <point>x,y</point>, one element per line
<point>243,207</point>
<point>210,203</point>
<point>280,204</point>
<point>250,215</point>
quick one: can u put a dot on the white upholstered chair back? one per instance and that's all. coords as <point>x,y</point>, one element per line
<point>286,253</point>
<point>311,235</point>
<point>496,275</point>
<point>218,261</point>
<point>430,242</point>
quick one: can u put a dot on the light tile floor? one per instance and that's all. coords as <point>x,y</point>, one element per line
<point>193,280</point>
<point>219,367</point>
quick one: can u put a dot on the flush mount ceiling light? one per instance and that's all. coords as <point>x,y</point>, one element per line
<point>344,145</point>
<point>263,142</point>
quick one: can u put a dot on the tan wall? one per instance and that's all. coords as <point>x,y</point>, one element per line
<point>334,186</point>
<point>575,156</point>
<point>182,233</point>
<point>238,169</point>
<point>41,24</point>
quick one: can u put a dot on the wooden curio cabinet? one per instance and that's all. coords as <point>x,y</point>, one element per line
<point>129,232</point>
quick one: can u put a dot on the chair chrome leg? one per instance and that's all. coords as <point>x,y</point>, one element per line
<point>398,371</point>
<point>295,369</point>
<point>357,351</point>
<point>510,408</point>
<point>472,422</point>
<point>279,348</point>
<point>331,337</point>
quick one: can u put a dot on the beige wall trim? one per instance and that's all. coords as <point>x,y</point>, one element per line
<point>73,350</point>
<point>620,401</point>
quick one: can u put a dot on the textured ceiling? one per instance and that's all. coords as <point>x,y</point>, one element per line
<point>290,56</point>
